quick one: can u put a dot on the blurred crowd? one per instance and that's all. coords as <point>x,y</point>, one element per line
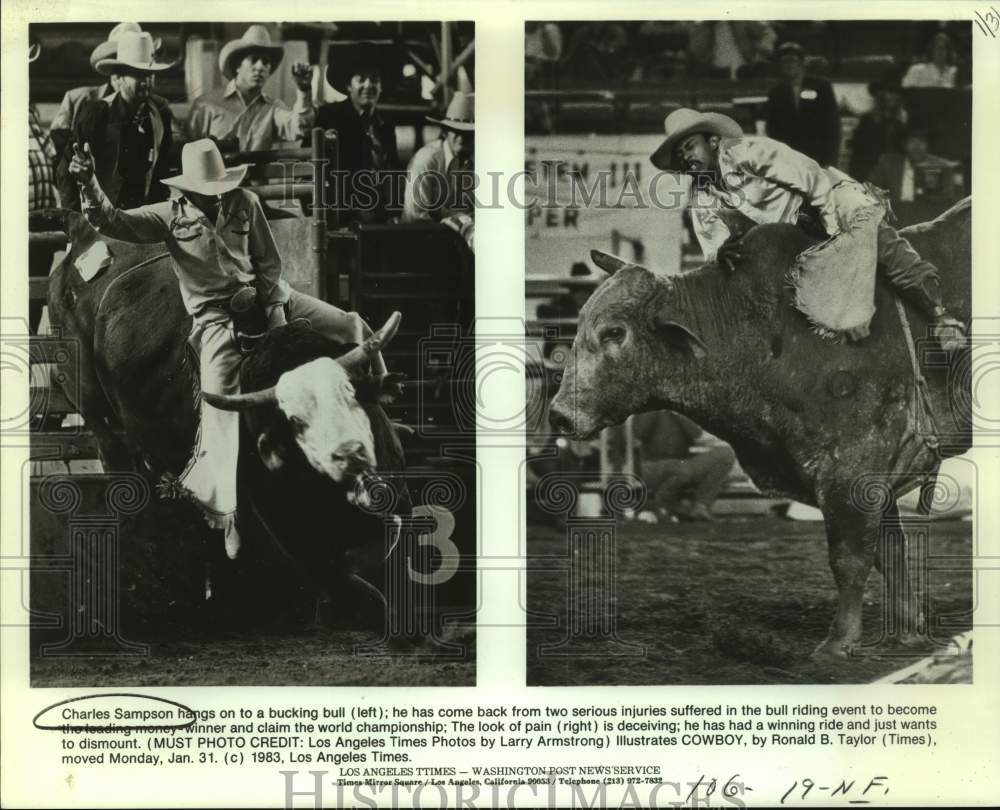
<point>563,53</point>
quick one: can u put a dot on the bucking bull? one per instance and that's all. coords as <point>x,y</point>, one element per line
<point>811,419</point>
<point>314,439</point>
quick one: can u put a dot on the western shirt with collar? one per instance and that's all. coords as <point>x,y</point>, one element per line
<point>103,125</point>
<point>212,260</point>
<point>260,125</point>
<point>425,197</point>
<point>42,192</point>
<point>765,181</point>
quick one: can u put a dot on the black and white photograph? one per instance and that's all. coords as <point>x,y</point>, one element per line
<point>505,403</point>
<point>252,286</point>
<point>748,283</point>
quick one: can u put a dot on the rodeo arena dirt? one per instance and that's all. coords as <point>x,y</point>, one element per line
<point>746,462</point>
<point>253,460</point>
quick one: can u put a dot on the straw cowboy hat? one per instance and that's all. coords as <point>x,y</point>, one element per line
<point>683,122</point>
<point>348,59</point>
<point>108,49</point>
<point>255,38</point>
<point>135,50</point>
<point>203,171</point>
<point>460,115</point>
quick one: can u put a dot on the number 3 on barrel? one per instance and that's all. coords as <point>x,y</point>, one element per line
<point>440,539</point>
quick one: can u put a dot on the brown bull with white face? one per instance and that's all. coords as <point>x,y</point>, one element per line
<point>318,403</point>
<point>819,421</point>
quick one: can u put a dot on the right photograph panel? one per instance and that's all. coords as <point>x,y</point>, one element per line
<point>748,290</point>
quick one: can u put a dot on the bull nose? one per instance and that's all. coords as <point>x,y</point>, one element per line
<point>560,422</point>
<point>352,454</point>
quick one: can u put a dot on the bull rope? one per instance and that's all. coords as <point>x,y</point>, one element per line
<point>919,413</point>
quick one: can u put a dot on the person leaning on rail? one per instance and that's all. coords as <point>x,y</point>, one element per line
<point>438,187</point>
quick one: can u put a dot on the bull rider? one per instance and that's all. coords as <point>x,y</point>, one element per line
<point>744,180</point>
<point>220,243</point>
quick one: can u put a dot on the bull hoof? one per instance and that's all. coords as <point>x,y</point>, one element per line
<point>833,649</point>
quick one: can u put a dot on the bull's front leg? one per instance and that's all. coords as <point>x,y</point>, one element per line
<point>852,536</point>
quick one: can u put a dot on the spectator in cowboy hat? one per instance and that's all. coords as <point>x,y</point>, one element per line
<point>439,177</point>
<point>241,115</point>
<point>129,131</point>
<point>802,110</point>
<point>880,130</point>
<point>61,128</point>
<point>366,139</point>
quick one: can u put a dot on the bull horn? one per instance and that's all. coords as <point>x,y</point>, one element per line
<point>372,344</point>
<point>240,402</point>
<point>608,263</point>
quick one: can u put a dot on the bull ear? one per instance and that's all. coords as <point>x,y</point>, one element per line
<point>680,337</point>
<point>271,451</point>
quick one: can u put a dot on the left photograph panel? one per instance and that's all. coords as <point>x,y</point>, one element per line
<point>251,302</point>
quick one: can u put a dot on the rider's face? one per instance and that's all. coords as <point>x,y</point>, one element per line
<point>698,153</point>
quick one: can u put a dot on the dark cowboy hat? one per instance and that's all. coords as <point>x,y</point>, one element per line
<point>348,59</point>
<point>889,80</point>
<point>786,48</point>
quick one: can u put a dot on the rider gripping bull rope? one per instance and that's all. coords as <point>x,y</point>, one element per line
<point>746,180</point>
<point>220,244</point>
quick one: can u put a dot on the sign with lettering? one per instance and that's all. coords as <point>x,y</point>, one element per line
<point>599,191</point>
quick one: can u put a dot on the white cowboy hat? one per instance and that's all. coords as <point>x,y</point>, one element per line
<point>255,38</point>
<point>203,171</point>
<point>135,50</point>
<point>460,115</point>
<point>108,49</point>
<point>683,122</point>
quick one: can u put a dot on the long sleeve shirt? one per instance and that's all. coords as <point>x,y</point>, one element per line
<point>765,181</point>
<point>212,260</point>
<point>434,189</point>
<point>260,125</point>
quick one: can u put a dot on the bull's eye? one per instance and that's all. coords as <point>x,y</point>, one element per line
<point>612,334</point>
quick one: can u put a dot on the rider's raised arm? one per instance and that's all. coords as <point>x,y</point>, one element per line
<point>264,256</point>
<point>784,166</point>
<point>147,224</point>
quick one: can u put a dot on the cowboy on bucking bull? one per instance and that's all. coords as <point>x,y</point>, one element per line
<point>739,181</point>
<point>224,256</point>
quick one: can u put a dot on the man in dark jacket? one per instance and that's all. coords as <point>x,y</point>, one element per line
<point>802,110</point>
<point>128,131</point>
<point>879,131</point>
<point>367,141</point>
